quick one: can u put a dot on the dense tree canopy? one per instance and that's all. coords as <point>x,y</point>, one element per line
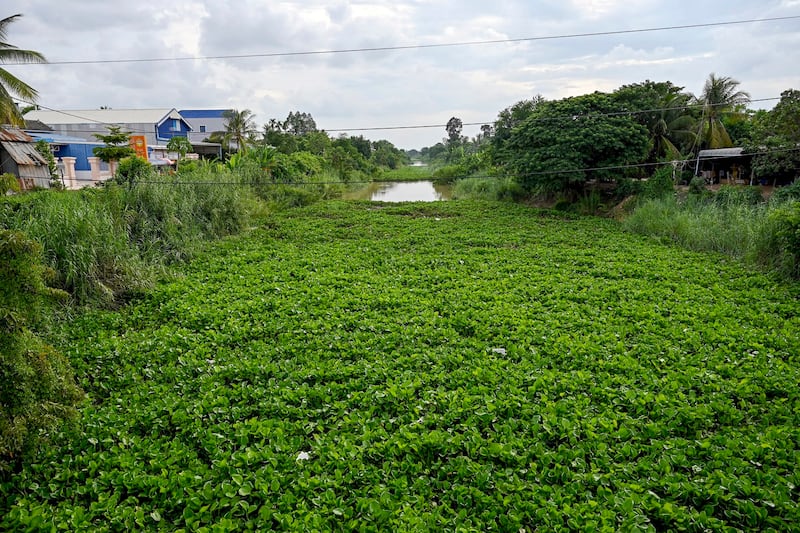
<point>550,150</point>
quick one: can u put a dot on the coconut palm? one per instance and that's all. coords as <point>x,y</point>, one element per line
<point>720,96</point>
<point>10,85</point>
<point>673,129</point>
<point>240,127</point>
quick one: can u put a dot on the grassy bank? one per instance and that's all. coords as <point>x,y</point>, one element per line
<point>452,366</point>
<point>763,234</point>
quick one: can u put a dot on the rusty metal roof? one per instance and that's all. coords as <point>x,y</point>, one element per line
<point>24,153</point>
<point>14,135</point>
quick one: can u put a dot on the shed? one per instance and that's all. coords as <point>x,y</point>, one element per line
<point>728,165</point>
<point>18,156</point>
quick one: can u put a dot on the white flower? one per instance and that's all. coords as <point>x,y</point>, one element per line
<point>303,456</point>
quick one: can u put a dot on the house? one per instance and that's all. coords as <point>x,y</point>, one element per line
<point>725,165</point>
<point>18,156</point>
<point>204,122</point>
<point>77,163</point>
<point>158,126</point>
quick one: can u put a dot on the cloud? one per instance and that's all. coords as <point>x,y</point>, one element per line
<point>401,87</point>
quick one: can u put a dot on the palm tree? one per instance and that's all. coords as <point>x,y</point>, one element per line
<point>240,126</point>
<point>673,129</point>
<point>10,85</point>
<point>720,96</point>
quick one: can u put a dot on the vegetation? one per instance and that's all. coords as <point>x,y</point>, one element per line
<point>10,85</point>
<point>117,145</point>
<point>431,367</point>
<point>37,391</point>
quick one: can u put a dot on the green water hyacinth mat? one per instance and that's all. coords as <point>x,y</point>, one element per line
<point>459,366</point>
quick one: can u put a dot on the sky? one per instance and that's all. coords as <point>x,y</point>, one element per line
<point>409,87</point>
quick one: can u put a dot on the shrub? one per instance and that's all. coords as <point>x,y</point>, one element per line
<point>780,250</point>
<point>730,196</point>
<point>8,183</point>
<point>37,392</point>
<point>660,183</point>
<point>697,186</point>
<point>132,170</point>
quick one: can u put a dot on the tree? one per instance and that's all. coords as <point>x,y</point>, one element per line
<point>180,145</point>
<point>551,150</point>
<point>10,85</point>
<point>666,111</point>
<point>298,123</point>
<point>720,96</point>
<point>508,119</point>
<point>239,128</point>
<point>775,136</point>
<point>117,145</point>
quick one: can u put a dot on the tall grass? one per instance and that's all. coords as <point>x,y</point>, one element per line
<point>732,223</point>
<point>491,188</point>
<point>109,242</point>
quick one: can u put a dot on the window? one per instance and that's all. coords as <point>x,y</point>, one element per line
<point>202,129</point>
<point>176,125</point>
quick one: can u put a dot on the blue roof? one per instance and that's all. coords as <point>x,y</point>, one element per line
<point>202,113</point>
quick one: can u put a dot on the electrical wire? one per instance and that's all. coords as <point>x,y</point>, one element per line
<point>428,126</point>
<point>496,176</point>
<point>411,46</point>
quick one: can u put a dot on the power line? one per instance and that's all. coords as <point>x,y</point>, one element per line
<point>412,46</point>
<point>429,126</point>
<point>496,176</point>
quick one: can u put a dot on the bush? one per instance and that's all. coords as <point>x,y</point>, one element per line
<point>8,183</point>
<point>660,184</point>
<point>730,196</point>
<point>37,391</point>
<point>790,192</point>
<point>132,170</point>
<point>780,250</point>
<point>697,186</point>
<point>502,189</point>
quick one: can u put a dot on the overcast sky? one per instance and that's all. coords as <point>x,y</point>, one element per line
<point>392,88</point>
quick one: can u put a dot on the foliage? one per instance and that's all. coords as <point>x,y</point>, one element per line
<point>491,188</point>
<point>720,96</point>
<point>551,148</point>
<point>774,140</point>
<point>133,169</point>
<point>43,147</point>
<point>456,366</point>
<point>781,249</point>
<point>239,128</point>
<point>660,184</point>
<point>664,110</point>
<point>507,120</point>
<point>8,183</point>
<point>736,221</point>
<point>106,244</point>
<point>179,145</point>
<point>117,145</point>
<point>37,391</point>
<point>10,85</point>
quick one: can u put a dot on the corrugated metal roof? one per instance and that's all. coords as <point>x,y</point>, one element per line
<point>721,152</point>
<point>24,153</point>
<point>14,135</point>
<point>103,116</point>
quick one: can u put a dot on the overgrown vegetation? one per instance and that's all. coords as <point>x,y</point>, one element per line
<point>37,390</point>
<point>456,365</point>
<point>735,221</point>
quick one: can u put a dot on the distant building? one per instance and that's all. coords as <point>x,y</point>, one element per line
<point>204,122</point>
<point>75,156</point>
<point>157,125</point>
